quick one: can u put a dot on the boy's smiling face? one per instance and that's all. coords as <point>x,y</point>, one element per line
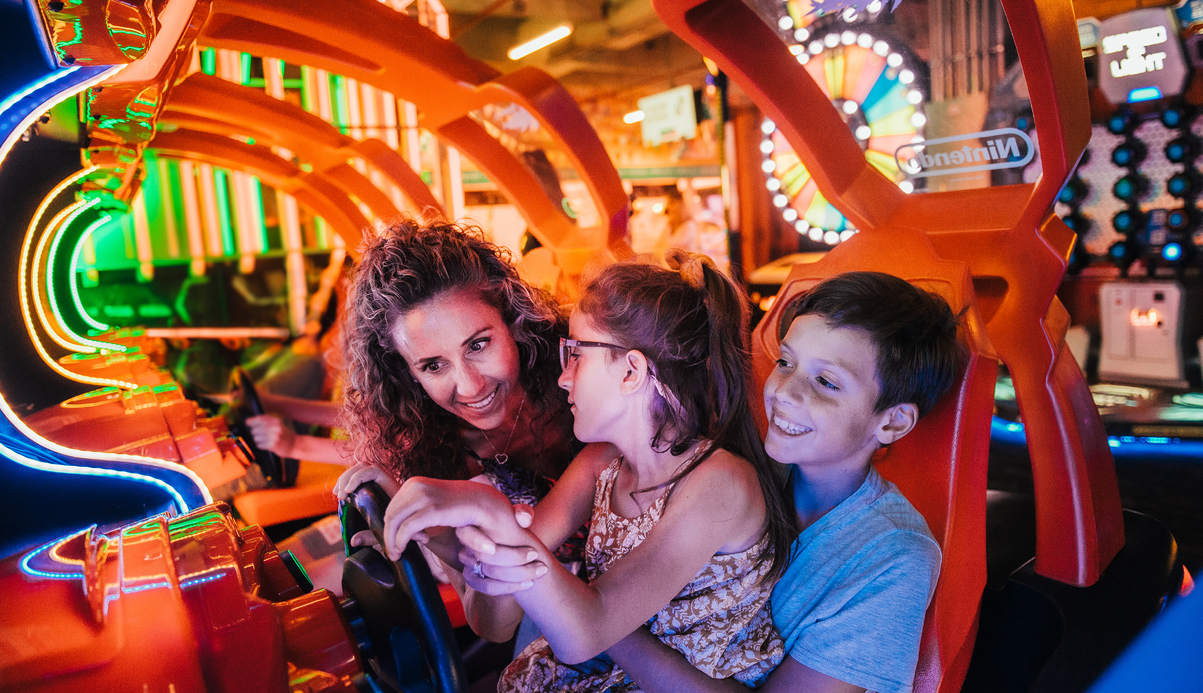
<point>820,398</point>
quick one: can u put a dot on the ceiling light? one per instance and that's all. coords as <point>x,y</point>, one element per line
<point>538,42</point>
<point>633,117</point>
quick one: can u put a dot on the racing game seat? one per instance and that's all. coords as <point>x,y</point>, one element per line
<point>941,465</point>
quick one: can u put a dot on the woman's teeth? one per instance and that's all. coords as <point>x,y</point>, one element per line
<point>482,404</point>
<point>789,427</point>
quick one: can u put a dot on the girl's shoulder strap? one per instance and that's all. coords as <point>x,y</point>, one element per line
<point>605,483</point>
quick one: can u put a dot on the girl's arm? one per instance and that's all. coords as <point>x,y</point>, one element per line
<point>422,504</point>
<point>716,506</point>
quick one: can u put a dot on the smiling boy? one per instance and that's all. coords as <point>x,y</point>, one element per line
<point>863,356</point>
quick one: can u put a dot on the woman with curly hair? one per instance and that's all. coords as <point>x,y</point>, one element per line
<point>452,361</point>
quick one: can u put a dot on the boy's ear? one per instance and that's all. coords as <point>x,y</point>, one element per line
<point>896,422</point>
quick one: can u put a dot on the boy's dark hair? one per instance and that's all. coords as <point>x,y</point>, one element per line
<point>915,332</point>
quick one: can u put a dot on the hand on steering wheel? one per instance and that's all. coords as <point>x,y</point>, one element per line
<point>282,472</point>
<point>409,644</point>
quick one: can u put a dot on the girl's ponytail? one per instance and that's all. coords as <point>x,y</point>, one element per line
<point>730,376</point>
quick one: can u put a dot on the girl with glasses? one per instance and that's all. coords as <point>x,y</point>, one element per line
<point>688,525</point>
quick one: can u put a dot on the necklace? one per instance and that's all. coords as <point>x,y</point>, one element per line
<point>502,457</point>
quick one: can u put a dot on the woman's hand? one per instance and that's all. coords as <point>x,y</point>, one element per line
<point>504,570</point>
<point>361,474</point>
<point>422,503</point>
<point>272,434</point>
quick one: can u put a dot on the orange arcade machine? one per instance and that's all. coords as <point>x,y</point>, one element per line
<point>242,618</point>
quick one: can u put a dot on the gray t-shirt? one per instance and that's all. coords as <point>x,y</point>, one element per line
<point>851,602</point>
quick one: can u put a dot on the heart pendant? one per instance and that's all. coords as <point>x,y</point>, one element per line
<point>501,458</point>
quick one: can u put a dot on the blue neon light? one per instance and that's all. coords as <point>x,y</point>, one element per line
<point>51,78</point>
<point>30,570</point>
<point>93,471</point>
<point>1171,251</point>
<point>144,587</point>
<point>1013,433</point>
<point>1144,94</point>
<point>196,581</point>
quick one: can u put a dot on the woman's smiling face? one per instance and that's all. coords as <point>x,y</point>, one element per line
<point>463,354</point>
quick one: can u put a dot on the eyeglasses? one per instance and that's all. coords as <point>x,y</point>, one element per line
<point>568,347</point>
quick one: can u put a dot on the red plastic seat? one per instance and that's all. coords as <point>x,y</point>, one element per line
<point>940,466</point>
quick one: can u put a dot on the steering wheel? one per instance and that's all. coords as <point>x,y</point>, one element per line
<point>281,472</point>
<point>402,627</point>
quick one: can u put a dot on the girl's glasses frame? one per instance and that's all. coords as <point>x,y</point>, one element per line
<point>567,345</point>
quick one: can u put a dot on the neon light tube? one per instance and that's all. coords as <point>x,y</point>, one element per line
<point>79,304</point>
<point>538,42</point>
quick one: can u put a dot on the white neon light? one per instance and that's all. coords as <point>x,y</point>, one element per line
<point>45,104</point>
<point>79,305</point>
<point>538,42</point>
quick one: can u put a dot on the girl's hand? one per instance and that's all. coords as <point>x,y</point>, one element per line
<point>422,503</point>
<point>272,434</point>
<point>360,474</point>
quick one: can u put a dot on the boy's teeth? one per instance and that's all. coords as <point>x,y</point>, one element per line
<point>788,427</point>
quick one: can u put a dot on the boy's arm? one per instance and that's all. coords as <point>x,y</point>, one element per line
<point>658,668</point>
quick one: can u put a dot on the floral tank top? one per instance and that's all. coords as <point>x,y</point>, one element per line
<point>720,621</point>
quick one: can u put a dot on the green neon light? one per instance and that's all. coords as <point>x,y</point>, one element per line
<point>79,305</point>
<point>223,212</point>
<point>257,204</point>
<point>307,96</point>
<point>50,264</point>
<point>208,61</point>
<point>245,62</point>
<point>338,104</point>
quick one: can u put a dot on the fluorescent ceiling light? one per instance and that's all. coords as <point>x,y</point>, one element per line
<point>633,117</point>
<point>539,42</point>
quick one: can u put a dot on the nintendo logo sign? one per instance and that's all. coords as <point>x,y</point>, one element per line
<point>978,151</point>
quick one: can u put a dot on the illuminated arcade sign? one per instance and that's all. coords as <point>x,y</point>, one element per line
<point>978,151</point>
<point>1141,57</point>
<point>668,116</point>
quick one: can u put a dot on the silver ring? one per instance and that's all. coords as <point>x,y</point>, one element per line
<point>479,571</point>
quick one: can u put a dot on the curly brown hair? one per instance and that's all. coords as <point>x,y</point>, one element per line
<point>392,422</point>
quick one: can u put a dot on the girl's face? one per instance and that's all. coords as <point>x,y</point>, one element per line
<point>592,376</point>
<point>462,353</point>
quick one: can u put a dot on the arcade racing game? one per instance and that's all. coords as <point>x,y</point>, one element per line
<point>242,617</point>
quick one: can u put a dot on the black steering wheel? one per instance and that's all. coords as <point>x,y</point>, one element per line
<point>281,473</point>
<point>402,626</point>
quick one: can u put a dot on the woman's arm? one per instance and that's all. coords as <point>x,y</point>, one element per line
<point>270,433</point>
<point>311,411</point>
<point>423,504</point>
